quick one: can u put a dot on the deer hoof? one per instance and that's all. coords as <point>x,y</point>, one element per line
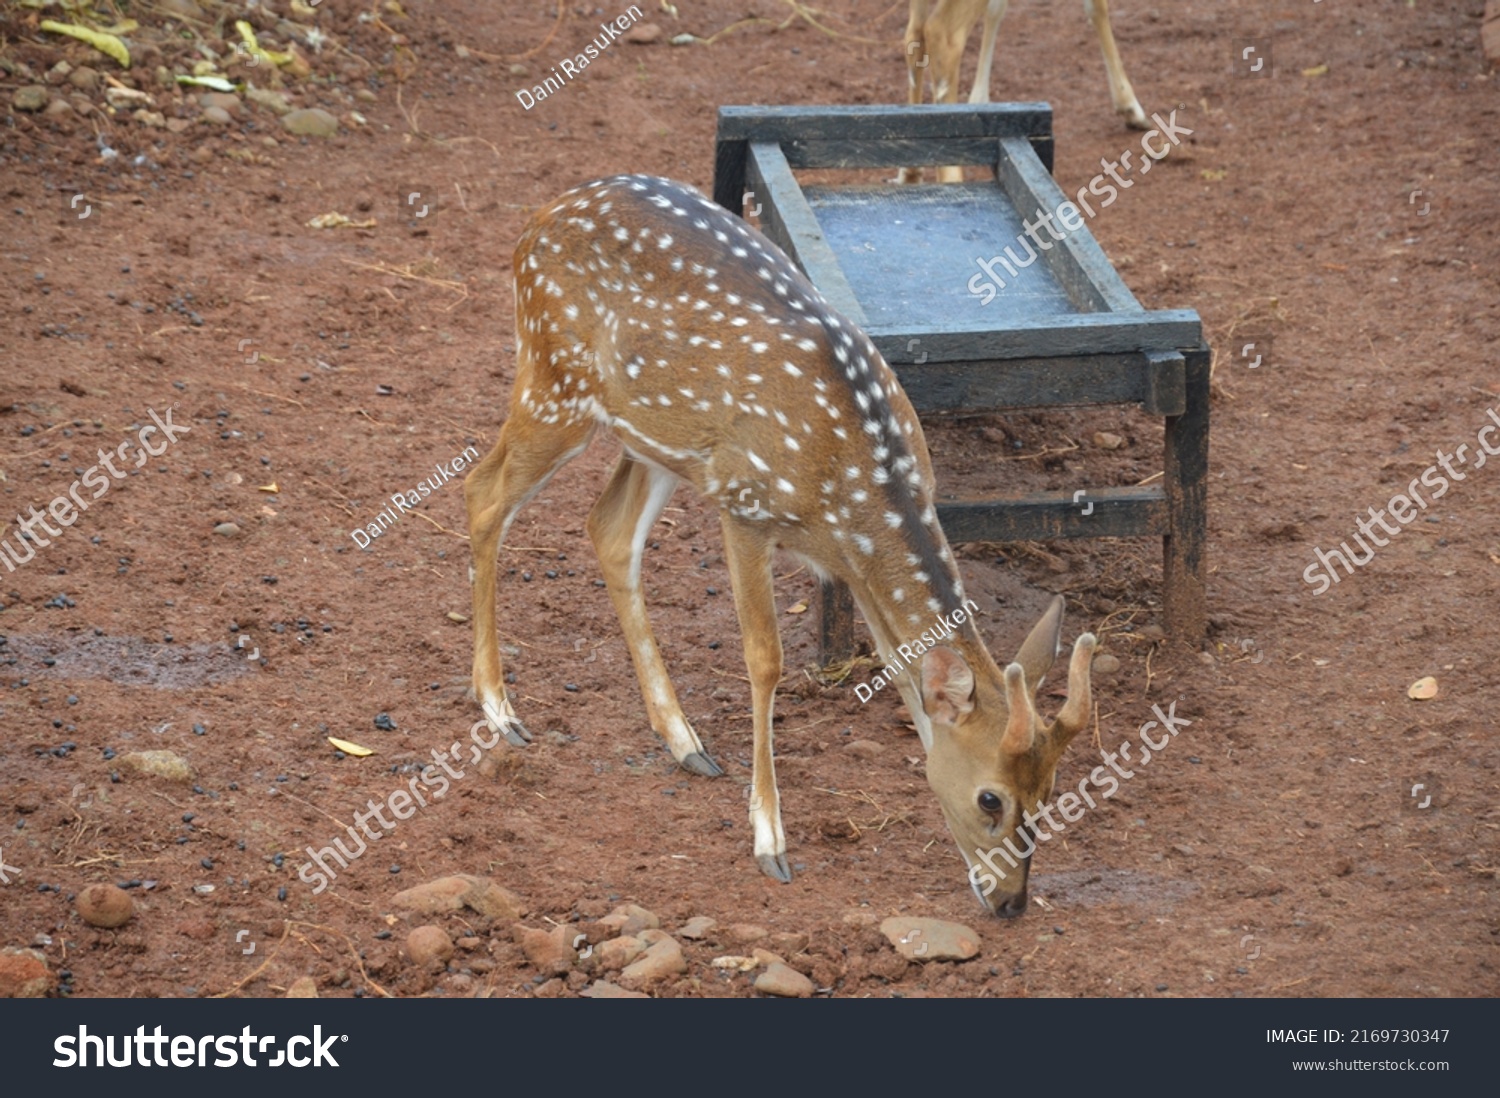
<point>515,733</point>
<point>1135,118</point>
<point>699,763</point>
<point>774,866</point>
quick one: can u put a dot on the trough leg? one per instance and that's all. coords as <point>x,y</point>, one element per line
<point>1185,565</point>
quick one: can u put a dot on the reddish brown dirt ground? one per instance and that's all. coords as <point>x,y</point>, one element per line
<point>1275,849</point>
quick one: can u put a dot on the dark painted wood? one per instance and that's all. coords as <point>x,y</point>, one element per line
<point>1185,548</point>
<point>729,174</point>
<point>881,122</point>
<point>951,387</point>
<point>1075,334</point>
<point>1166,386</point>
<point>789,221</point>
<point>912,152</point>
<point>835,622</point>
<point>1112,513</point>
<point>1076,261</point>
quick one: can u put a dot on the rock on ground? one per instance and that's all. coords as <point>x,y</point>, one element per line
<point>919,939</point>
<point>616,953</point>
<point>24,974</point>
<point>550,952</point>
<point>160,764</point>
<point>105,905</point>
<point>630,919</point>
<point>33,97</point>
<point>603,989</point>
<point>662,960</point>
<point>697,928</point>
<point>427,944</point>
<point>310,122</point>
<point>778,979</point>
<point>303,987</point>
<point>745,933</point>
<point>643,34</point>
<point>446,894</point>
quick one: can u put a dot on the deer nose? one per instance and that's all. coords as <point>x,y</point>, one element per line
<point>1012,907</point>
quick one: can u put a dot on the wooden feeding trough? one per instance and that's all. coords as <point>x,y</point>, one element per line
<point>900,261</point>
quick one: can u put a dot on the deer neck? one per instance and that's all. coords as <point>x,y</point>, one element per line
<point>943,615</point>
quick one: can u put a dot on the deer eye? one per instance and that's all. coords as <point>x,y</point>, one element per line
<point>990,802</point>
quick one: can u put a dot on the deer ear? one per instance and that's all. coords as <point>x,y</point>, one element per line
<point>947,686</point>
<point>1040,649</point>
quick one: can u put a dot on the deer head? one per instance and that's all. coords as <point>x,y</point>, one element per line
<point>993,758</point>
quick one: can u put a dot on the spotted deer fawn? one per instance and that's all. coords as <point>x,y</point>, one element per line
<point>644,307</point>
<point>936,33</point>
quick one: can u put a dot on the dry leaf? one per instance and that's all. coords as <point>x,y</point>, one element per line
<point>799,608</point>
<point>104,43</point>
<point>454,616</point>
<point>350,748</point>
<point>271,488</point>
<point>1422,689</point>
<point>1316,70</point>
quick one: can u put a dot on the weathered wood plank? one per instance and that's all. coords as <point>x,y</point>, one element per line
<point>883,122</point>
<point>1185,548</point>
<point>1115,513</point>
<point>1083,334</point>
<point>835,622</point>
<point>951,387</point>
<point>1164,377</point>
<point>729,174</point>
<point>915,152</point>
<point>788,220</point>
<point>1076,261</point>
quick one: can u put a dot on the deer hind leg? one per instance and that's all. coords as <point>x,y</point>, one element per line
<point>526,456</point>
<point>1120,91</point>
<point>619,525</point>
<point>748,554</point>
<point>916,68</point>
<point>993,13</point>
<point>945,34</point>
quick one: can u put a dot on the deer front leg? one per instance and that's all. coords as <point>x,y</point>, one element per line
<point>748,554</point>
<point>619,525</point>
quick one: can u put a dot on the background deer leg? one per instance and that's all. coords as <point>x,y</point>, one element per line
<point>916,69</point>
<point>748,554</point>
<point>945,46</point>
<point>619,525</point>
<point>993,13</point>
<point>1120,91</point>
<point>499,486</point>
